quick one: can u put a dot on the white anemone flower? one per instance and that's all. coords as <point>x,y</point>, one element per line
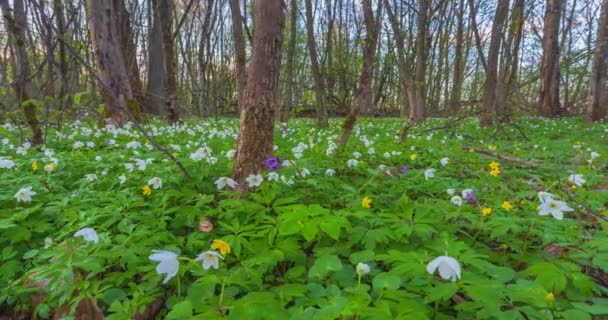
<point>576,179</point>
<point>222,182</point>
<point>444,161</point>
<point>156,183</point>
<point>429,173</point>
<point>122,179</point>
<point>457,200</point>
<point>24,194</point>
<point>88,234</point>
<point>451,191</point>
<point>272,176</point>
<point>554,208</point>
<point>254,180</point>
<point>449,268</point>
<point>544,196</point>
<point>466,192</point>
<point>210,259</point>
<point>168,263</point>
<point>363,268</point>
<point>330,172</point>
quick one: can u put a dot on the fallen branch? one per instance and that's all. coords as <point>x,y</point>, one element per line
<point>502,157</point>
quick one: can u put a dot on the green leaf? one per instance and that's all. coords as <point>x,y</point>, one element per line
<point>180,310</point>
<point>441,292</point>
<point>324,265</point>
<point>386,281</point>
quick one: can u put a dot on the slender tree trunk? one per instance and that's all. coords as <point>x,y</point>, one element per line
<point>255,140</point>
<point>598,99</point>
<point>16,24</point>
<point>314,66</point>
<point>404,75</point>
<point>549,89</point>
<point>128,49</point>
<point>203,60</point>
<point>165,9</point>
<point>239,47</point>
<point>291,53</point>
<point>155,91</point>
<point>363,95</point>
<point>488,111</point>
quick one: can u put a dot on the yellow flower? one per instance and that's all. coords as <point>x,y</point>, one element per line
<point>366,202</point>
<point>495,172</point>
<point>471,150</point>
<point>550,298</point>
<point>494,165</point>
<point>413,156</point>
<point>486,211</point>
<point>506,205</point>
<point>222,246</point>
<point>493,148</point>
<point>146,190</point>
<point>573,186</point>
<point>34,166</point>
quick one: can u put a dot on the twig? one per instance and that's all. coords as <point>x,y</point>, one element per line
<point>502,157</point>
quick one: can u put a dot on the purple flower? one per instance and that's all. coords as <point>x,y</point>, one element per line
<point>405,169</point>
<point>470,197</point>
<point>273,163</point>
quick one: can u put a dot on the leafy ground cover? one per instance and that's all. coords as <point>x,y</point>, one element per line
<point>98,221</point>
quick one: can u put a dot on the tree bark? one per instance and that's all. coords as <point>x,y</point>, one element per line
<point>457,79</point>
<point>128,49</point>
<point>291,53</point>
<point>255,139</point>
<point>549,89</point>
<point>404,75</point>
<point>239,47</point>
<point>16,24</point>
<point>488,112</point>
<point>363,94</point>
<point>417,113</point>
<point>314,66</point>
<point>598,98</point>
<point>155,91</point>
<point>165,9</point>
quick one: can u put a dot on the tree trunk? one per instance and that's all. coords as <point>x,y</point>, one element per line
<point>165,9</point>
<point>314,66</point>
<point>549,89</point>
<point>128,49</point>
<point>16,24</point>
<point>598,99</point>
<point>291,53</point>
<point>155,91</point>
<point>488,112</point>
<point>363,94</point>
<point>239,47</point>
<point>457,79</point>
<point>205,108</point>
<point>417,113</point>
<point>255,141</point>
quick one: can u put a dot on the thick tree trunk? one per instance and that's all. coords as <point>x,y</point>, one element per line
<point>488,112</point>
<point>314,66</point>
<point>417,113</point>
<point>239,47</point>
<point>16,24</point>
<point>549,89</point>
<point>155,92</point>
<point>255,141</point>
<point>598,99</point>
<point>103,25</point>
<point>363,95</point>
<point>165,9</point>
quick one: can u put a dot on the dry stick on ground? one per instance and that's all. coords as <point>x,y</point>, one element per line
<point>502,157</point>
<point>151,139</point>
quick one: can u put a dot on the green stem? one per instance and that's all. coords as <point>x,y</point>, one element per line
<point>219,305</point>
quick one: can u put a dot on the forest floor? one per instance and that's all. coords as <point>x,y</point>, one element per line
<point>505,223</point>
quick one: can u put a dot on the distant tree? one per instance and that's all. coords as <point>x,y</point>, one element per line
<point>363,94</point>
<point>255,140</point>
<point>488,112</point>
<point>314,66</point>
<point>598,103</point>
<point>17,26</point>
<point>549,86</point>
<point>239,47</point>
